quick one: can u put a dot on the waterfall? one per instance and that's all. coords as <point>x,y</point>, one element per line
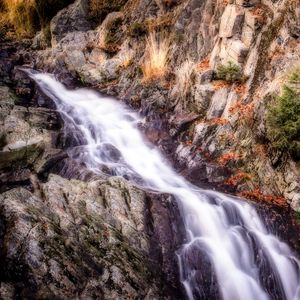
<point>227,245</point>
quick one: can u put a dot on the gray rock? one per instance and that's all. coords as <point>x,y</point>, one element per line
<point>71,18</point>
<point>82,240</point>
<point>21,153</point>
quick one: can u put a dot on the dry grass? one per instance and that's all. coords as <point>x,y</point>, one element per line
<point>20,14</point>
<point>156,57</point>
<point>184,78</point>
<point>24,17</point>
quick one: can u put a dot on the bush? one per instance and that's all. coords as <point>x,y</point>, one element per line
<point>229,72</point>
<point>99,9</point>
<point>283,119</point>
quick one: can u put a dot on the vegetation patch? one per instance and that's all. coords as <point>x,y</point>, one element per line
<point>183,77</point>
<point>25,17</point>
<point>156,57</point>
<point>99,9</point>
<point>229,72</point>
<point>283,118</point>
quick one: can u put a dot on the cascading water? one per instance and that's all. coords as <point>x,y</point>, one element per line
<point>224,234</point>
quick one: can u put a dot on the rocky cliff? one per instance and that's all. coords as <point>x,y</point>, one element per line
<point>67,233</point>
<point>219,122</point>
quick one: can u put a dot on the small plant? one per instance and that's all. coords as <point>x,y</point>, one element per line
<point>283,118</point>
<point>156,57</point>
<point>183,76</point>
<point>297,215</point>
<point>229,72</point>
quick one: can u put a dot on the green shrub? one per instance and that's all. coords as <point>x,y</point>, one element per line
<point>283,119</point>
<point>229,72</point>
<point>99,9</point>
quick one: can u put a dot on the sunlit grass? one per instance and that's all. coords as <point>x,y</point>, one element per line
<point>25,17</point>
<point>156,57</point>
<point>20,15</point>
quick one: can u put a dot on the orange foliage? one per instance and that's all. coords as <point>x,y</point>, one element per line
<point>203,65</point>
<point>218,121</point>
<point>188,142</point>
<point>238,178</point>
<point>278,52</point>
<point>260,150</point>
<point>259,12</point>
<point>259,196</point>
<point>240,88</point>
<point>225,158</point>
<point>246,111</point>
<point>220,84</point>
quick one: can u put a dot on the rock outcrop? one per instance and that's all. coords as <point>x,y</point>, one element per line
<point>72,239</point>
<point>258,37</point>
<point>66,233</point>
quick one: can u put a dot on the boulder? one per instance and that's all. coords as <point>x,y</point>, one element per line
<point>21,153</point>
<point>70,19</point>
<point>237,51</point>
<point>218,104</point>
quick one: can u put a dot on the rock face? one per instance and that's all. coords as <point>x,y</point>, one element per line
<point>66,233</point>
<point>64,238</point>
<point>259,37</point>
<point>70,19</point>
<point>74,238</point>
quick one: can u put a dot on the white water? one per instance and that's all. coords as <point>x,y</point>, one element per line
<point>243,255</point>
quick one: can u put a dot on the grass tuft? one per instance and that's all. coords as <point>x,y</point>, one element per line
<point>25,17</point>
<point>156,57</point>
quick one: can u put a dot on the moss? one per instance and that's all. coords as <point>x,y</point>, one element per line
<point>229,72</point>
<point>283,119</point>
<point>47,35</point>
